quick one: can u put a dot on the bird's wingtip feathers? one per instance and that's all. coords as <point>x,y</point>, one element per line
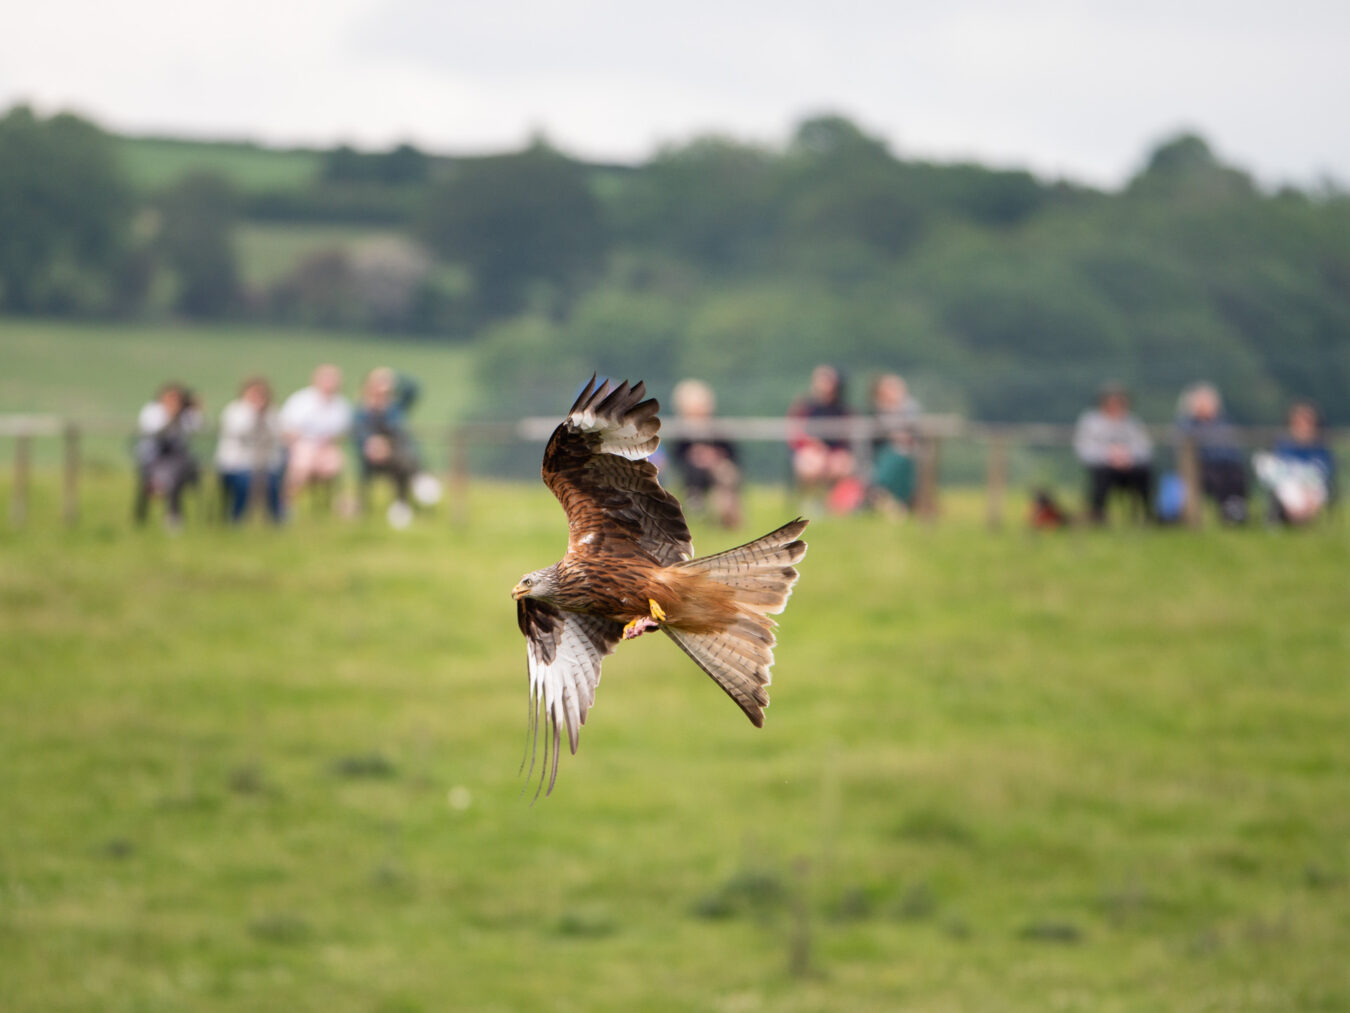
<point>625,418</point>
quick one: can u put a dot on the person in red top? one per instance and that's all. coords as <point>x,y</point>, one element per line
<point>824,466</point>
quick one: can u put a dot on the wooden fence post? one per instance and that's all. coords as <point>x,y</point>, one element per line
<point>18,507</point>
<point>997,478</point>
<point>926,495</point>
<point>70,484</point>
<point>1188,464</point>
<point>459,477</point>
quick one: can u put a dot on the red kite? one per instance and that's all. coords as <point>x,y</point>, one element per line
<point>630,568</point>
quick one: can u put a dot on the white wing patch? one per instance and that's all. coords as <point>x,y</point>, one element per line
<point>621,440</point>
<point>565,686</point>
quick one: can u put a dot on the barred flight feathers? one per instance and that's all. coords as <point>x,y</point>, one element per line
<point>762,570</point>
<point>565,650</point>
<point>740,657</point>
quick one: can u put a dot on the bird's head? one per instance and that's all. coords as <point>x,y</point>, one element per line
<point>538,584</point>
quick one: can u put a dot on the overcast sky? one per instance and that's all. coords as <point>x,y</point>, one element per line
<point>1066,89</point>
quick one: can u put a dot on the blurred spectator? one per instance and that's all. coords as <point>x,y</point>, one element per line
<point>164,462</point>
<point>1114,446</point>
<point>708,467</point>
<point>1301,473</point>
<point>824,468</point>
<point>1219,456</point>
<point>314,421</point>
<point>896,412</point>
<point>250,455</point>
<point>384,445</point>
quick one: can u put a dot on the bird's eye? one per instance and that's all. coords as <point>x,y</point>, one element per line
<point>527,582</point>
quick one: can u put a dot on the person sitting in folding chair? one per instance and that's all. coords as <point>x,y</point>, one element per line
<point>1300,474</point>
<point>1218,452</point>
<point>250,455</point>
<point>1114,446</point>
<point>384,445</point>
<point>314,422</point>
<point>165,466</point>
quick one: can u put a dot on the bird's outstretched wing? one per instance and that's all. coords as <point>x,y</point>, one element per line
<point>565,651</point>
<point>596,465</point>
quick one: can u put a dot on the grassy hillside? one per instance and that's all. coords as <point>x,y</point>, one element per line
<point>154,162</point>
<point>267,252</point>
<point>255,769</point>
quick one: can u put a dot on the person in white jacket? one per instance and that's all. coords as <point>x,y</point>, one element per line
<point>250,455</point>
<point>315,421</point>
<point>1115,447</point>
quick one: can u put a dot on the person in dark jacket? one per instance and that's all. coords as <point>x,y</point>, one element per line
<point>165,464</point>
<point>709,467</point>
<point>1219,454</point>
<point>384,444</point>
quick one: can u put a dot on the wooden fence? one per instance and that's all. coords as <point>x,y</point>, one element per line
<point>930,433</point>
<point>24,429</point>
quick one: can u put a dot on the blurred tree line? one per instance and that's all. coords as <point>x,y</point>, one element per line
<point>999,294</point>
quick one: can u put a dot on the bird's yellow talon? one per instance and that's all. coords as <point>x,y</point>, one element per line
<point>658,613</point>
<point>639,626</point>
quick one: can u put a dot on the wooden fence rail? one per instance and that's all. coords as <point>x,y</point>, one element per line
<point>999,437</point>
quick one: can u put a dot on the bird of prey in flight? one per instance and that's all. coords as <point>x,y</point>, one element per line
<point>630,569</point>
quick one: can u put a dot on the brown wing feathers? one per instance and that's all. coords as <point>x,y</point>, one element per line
<point>595,464</point>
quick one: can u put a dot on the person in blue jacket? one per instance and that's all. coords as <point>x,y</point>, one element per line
<point>1304,445</point>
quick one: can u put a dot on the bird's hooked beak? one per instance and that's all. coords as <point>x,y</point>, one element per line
<point>519,591</point>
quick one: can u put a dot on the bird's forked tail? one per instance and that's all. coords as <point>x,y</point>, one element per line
<point>739,655</point>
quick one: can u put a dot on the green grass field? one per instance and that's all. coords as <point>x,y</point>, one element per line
<point>257,769</point>
<point>154,162</point>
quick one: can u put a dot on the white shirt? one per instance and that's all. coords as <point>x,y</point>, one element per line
<point>1097,435</point>
<point>247,441</point>
<point>154,416</point>
<point>308,415</point>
